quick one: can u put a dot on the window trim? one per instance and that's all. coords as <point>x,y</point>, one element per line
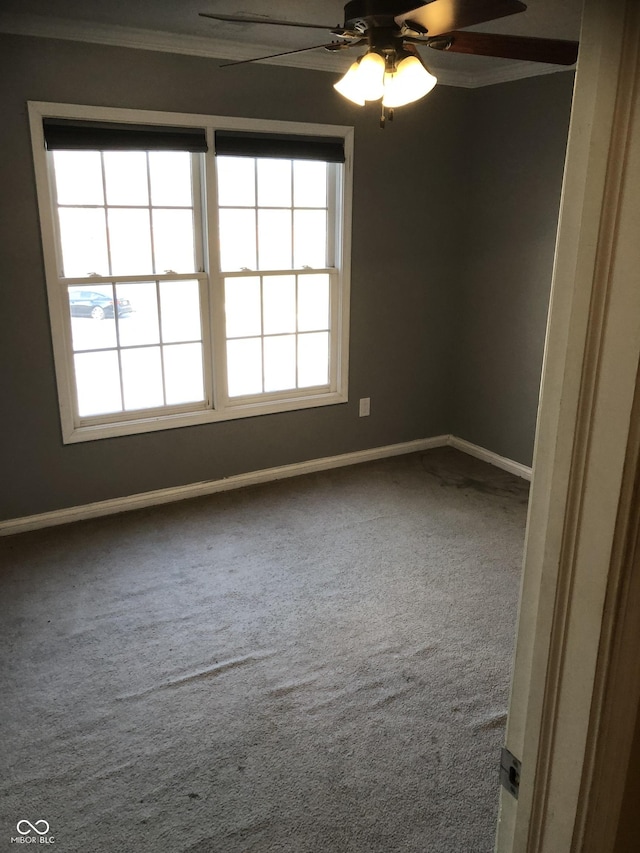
<point>221,408</point>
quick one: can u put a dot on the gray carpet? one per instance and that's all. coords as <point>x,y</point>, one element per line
<point>318,665</point>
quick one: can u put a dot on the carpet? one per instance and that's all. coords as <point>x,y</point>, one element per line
<point>316,665</point>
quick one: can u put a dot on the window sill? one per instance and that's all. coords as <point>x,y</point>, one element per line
<point>94,432</point>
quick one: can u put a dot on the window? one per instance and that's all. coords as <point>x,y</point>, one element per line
<point>197,268</point>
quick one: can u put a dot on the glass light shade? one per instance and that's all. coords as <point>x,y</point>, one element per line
<point>349,85</point>
<point>410,82</point>
<point>371,76</point>
<point>364,81</point>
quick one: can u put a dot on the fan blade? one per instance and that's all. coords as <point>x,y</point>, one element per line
<point>443,16</point>
<point>552,51</point>
<point>332,46</point>
<point>243,19</point>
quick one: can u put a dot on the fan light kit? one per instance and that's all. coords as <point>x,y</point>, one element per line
<point>391,70</point>
<point>398,78</point>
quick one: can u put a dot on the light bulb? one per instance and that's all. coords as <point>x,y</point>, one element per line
<point>409,82</point>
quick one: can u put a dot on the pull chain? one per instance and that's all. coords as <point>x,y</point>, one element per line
<point>384,115</point>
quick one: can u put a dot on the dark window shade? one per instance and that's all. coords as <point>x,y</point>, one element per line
<point>73,135</point>
<point>285,145</point>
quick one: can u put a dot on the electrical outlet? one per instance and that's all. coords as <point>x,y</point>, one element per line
<point>365,407</point>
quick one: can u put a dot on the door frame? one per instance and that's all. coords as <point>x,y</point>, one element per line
<point>576,682</point>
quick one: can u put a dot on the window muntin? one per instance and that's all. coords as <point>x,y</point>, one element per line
<point>274,213</point>
<point>125,212</point>
<point>277,325</point>
<point>292,358</point>
<point>145,351</point>
<point>277,332</point>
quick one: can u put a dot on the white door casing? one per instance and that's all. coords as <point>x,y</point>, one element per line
<point>589,378</point>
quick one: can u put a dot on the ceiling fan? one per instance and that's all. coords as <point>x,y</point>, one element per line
<point>391,69</point>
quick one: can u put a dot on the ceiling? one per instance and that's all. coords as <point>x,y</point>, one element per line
<point>172,26</point>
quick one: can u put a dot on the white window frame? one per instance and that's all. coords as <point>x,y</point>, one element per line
<point>218,406</point>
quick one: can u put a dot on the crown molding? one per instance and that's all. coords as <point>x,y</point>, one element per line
<point>211,48</point>
<point>504,74</point>
<point>142,39</point>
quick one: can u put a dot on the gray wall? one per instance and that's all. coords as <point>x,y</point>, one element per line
<point>411,198</point>
<point>398,339</point>
<point>515,145</point>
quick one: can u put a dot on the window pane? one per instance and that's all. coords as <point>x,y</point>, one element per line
<point>279,362</point>
<point>129,241</point>
<point>173,240</point>
<point>244,366</point>
<point>242,307</point>
<point>83,235</point>
<point>98,383</point>
<point>138,312</point>
<point>309,183</point>
<point>274,183</point>
<point>236,181</point>
<point>90,310</point>
<point>125,174</point>
<point>279,308</point>
<point>310,238</point>
<point>313,359</point>
<point>78,177</point>
<point>313,302</point>
<point>170,178</point>
<point>183,375</point>
<point>142,378</point>
<point>180,311</point>
<point>274,239</point>
<point>237,239</point>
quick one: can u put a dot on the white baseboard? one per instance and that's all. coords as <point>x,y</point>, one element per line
<point>209,487</point>
<point>489,456</point>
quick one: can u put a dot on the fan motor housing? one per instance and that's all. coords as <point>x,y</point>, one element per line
<point>362,14</point>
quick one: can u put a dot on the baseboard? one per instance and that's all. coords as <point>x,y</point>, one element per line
<point>489,456</point>
<point>209,487</point>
